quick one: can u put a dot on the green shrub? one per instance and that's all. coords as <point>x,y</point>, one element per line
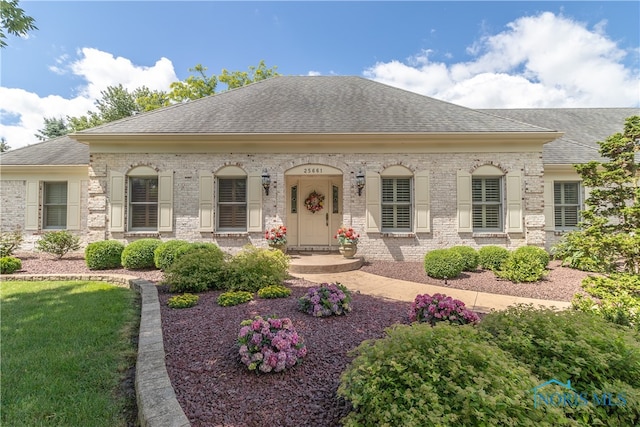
<point>191,247</point>
<point>196,271</point>
<point>491,257</point>
<point>230,298</point>
<point>615,298</point>
<point>103,255</point>
<point>522,267</point>
<point>469,256</point>
<point>183,301</point>
<point>10,241</point>
<point>443,264</point>
<point>274,291</point>
<point>580,251</point>
<point>58,243</point>
<point>165,253</point>
<point>139,254</point>
<point>443,375</point>
<point>255,268</point>
<point>9,265</point>
<point>567,341</point>
<point>539,252</point>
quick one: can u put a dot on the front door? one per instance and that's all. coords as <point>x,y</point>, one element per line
<point>314,226</point>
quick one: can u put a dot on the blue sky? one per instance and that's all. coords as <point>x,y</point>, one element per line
<point>478,54</point>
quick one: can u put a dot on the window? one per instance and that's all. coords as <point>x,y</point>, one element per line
<point>143,203</point>
<point>232,204</point>
<point>55,205</point>
<point>486,193</point>
<point>396,204</point>
<point>566,202</point>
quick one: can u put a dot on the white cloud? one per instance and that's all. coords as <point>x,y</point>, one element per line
<point>98,70</point>
<point>539,61</point>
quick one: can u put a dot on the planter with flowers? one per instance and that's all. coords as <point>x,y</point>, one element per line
<point>348,241</point>
<point>277,238</point>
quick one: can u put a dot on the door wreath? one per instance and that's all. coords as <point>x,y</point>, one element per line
<point>314,202</point>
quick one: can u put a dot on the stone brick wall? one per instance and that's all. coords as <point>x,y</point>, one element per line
<point>442,174</point>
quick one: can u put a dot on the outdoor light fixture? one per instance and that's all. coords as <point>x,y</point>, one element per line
<point>266,181</point>
<point>360,182</point>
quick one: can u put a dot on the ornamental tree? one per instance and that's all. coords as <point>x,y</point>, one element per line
<point>611,221</point>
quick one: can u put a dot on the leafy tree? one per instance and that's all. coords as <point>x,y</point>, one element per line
<point>237,79</point>
<point>3,145</point>
<point>116,103</point>
<point>193,87</point>
<point>14,21</point>
<point>53,128</point>
<point>611,221</point>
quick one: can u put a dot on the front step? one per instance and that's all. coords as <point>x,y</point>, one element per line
<point>317,263</point>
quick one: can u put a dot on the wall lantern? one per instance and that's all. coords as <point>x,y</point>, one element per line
<point>360,182</point>
<point>266,181</point>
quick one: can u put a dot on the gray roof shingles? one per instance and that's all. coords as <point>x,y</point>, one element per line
<point>57,151</point>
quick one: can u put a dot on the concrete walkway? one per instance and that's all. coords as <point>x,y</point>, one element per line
<point>401,290</point>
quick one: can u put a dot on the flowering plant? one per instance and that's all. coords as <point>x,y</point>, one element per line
<point>270,344</point>
<point>277,235</point>
<point>326,300</point>
<point>440,308</point>
<point>346,235</point>
<point>315,202</point>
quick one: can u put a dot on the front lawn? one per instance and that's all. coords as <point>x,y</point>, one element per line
<point>66,349</point>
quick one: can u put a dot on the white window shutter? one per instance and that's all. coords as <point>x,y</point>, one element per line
<point>165,201</point>
<point>514,202</point>
<point>33,201</point>
<point>549,206</point>
<point>465,218</point>
<point>116,201</point>
<point>73,205</point>
<point>373,202</point>
<point>254,203</point>
<point>422,198</point>
<point>205,201</point>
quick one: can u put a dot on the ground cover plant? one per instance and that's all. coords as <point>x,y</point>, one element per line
<point>183,301</point>
<point>66,347</point>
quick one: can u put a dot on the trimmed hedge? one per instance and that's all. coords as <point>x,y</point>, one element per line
<point>443,264</point>
<point>255,268</point>
<point>165,253</point>
<point>491,257</point>
<point>469,256</point>
<point>196,271</point>
<point>139,254</point>
<point>103,255</point>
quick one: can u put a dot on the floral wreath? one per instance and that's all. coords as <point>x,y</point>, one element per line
<point>315,202</point>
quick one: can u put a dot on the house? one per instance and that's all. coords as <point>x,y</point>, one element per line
<point>409,172</point>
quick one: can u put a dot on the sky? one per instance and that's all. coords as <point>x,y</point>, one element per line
<point>479,54</point>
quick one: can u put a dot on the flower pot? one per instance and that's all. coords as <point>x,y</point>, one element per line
<point>282,247</point>
<point>348,250</point>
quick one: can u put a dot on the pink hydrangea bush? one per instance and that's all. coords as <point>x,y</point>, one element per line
<point>328,299</point>
<point>440,308</point>
<point>270,345</point>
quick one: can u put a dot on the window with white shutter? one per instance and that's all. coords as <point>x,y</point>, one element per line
<point>143,203</point>
<point>54,207</point>
<point>566,205</point>
<point>232,204</point>
<point>486,197</point>
<point>396,204</point>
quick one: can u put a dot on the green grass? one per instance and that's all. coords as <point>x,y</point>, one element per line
<point>66,348</point>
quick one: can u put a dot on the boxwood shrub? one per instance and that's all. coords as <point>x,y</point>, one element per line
<point>103,255</point>
<point>443,264</point>
<point>491,257</point>
<point>194,246</point>
<point>196,271</point>
<point>139,254</point>
<point>522,266</point>
<point>255,268</point>
<point>9,265</point>
<point>165,253</point>
<point>442,375</point>
<point>469,256</point>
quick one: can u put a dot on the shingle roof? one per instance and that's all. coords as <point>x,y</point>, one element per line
<point>319,104</point>
<point>58,151</point>
<point>583,128</point>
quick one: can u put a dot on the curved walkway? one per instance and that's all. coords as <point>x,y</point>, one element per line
<point>155,396</point>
